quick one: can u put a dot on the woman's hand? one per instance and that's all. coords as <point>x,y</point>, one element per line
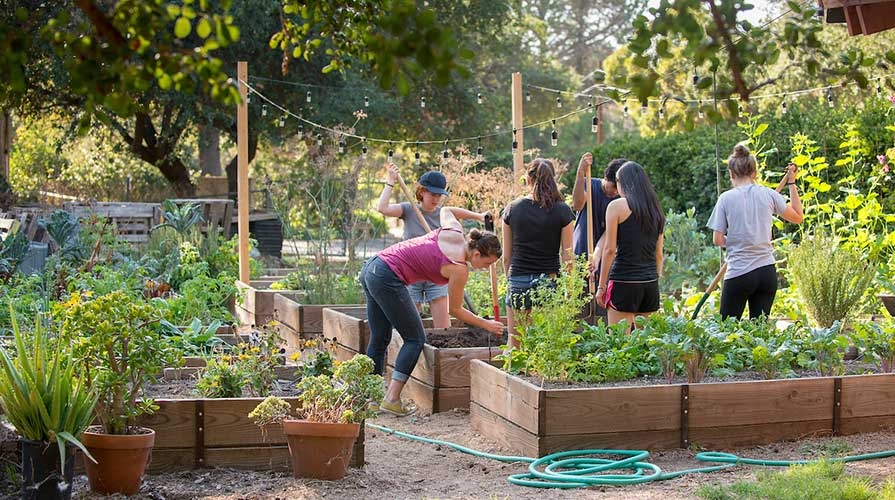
<point>792,171</point>
<point>392,173</point>
<point>585,163</point>
<point>601,297</point>
<point>495,327</point>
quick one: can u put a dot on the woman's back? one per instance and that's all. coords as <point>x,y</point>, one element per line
<point>537,235</point>
<point>635,254</point>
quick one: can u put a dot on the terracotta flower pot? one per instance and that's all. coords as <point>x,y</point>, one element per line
<point>320,450</point>
<point>121,460</point>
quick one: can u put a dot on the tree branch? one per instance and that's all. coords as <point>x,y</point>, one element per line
<point>103,24</point>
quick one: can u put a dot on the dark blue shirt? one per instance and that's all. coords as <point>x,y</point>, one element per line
<point>598,205</point>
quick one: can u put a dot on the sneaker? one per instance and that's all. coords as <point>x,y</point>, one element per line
<point>396,409</point>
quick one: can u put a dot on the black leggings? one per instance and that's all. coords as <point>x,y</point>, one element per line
<point>757,287</point>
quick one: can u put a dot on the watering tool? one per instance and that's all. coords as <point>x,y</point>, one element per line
<point>723,270</point>
<point>419,214</point>
<point>583,468</point>
<point>492,270</point>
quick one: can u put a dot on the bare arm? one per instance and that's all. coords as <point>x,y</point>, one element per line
<point>462,213</point>
<point>449,218</point>
<point>578,195</point>
<point>565,249</point>
<point>457,276</point>
<point>659,258</point>
<point>793,212</point>
<point>719,239</point>
<point>384,207</point>
<point>609,246</point>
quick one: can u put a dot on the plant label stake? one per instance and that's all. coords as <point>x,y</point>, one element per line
<point>492,270</point>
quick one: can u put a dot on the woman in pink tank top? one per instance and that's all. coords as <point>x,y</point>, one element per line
<point>443,256</point>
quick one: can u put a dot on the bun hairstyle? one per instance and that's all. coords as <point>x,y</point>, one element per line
<point>741,162</point>
<point>486,242</point>
<point>542,178</point>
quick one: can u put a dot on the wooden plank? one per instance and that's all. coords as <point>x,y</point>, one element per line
<point>350,329</point>
<point>762,402</point>
<point>275,458</point>
<point>227,424</point>
<point>509,397</point>
<point>288,311</point>
<point>345,353</point>
<point>868,396</point>
<point>164,460</point>
<point>174,423</point>
<point>422,394</point>
<point>634,440</point>
<point>425,369</point>
<point>503,432</point>
<point>877,17</point>
<point>734,436</point>
<point>312,315</point>
<point>621,409</point>
<point>453,363</point>
<point>858,425</point>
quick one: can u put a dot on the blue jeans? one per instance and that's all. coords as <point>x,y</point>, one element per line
<point>521,286</point>
<point>389,306</point>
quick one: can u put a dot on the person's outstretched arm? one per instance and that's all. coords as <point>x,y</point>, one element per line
<point>384,207</point>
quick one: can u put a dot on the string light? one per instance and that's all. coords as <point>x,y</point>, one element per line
<point>390,154</point>
<point>594,124</point>
<point>625,109</point>
<point>445,153</point>
<point>301,128</point>
<point>341,145</point>
<point>515,142</point>
<point>249,97</point>
<point>662,112</point>
<point>363,148</point>
<point>282,121</point>
<point>830,96</point>
<point>695,78</point>
<point>783,109</point>
<point>558,102</point>
<point>879,89</point>
<point>366,102</point>
<point>319,139</point>
<point>308,97</point>
<point>480,151</point>
<point>528,96</point>
<point>416,155</point>
<point>554,136</point>
<point>643,108</point>
<point>479,98</point>
<point>699,109</point>
<point>264,110</point>
<point>422,101</point>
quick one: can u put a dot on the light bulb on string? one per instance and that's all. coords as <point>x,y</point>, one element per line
<point>264,110</point>
<point>695,78</point>
<point>594,124</point>
<point>644,107</point>
<point>319,139</point>
<point>390,154</point>
<point>282,121</point>
<point>366,102</point>
<point>480,151</point>
<point>249,97</point>
<point>558,102</point>
<point>308,97</point>
<point>662,112</point>
<point>301,128</point>
<point>699,109</point>
<point>554,135</point>
<point>479,99</point>
<point>515,141</point>
<point>783,109</point>
<point>422,101</point>
<point>625,109</point>
<point>341,145</point>
<point>363,148</point>
<point>445,153</point>
<point>830,96</point>
<point>416,155</point>
<point>528,96</point>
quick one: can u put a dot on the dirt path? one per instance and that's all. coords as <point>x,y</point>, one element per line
<point>398,468</point>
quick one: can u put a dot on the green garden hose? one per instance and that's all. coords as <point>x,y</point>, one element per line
<point>582,468</point>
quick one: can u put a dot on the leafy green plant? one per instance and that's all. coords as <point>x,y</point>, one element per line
<point>344,397</point>
<point>323,285</point>
<point>878,339</point>
<point>701,349</point>
<point>770,355</point>
<point>12,251</point>
<point>690,261</point>
<point>40,389</point>
<point>247,367</point>
<point>666,339</point>
<point>822,349</point>
<point>194,339</point>
<point>222,378</point>
<point>181,218</point>
<point>610,353</point>
<point>118,350</point>
<point>831,279</point>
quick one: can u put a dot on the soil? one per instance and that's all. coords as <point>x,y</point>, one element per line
<point>397,468</point>
<point>472,337</point>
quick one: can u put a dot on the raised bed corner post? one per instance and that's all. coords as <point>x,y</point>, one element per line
<point>837,406</point>
<point>242,170</point>
<point>199,453</point>
<point>685,415</point>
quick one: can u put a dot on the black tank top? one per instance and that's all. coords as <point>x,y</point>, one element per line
<point>635,253</point>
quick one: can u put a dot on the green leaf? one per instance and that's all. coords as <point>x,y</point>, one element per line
<point>182,27</point>
<point>203,29</point>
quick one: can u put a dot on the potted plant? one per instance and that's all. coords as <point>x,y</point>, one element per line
<point>119,350</point>
<point>50,407</point>
<point>332,409</point>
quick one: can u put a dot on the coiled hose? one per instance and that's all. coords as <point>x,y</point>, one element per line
<point>582,468</point>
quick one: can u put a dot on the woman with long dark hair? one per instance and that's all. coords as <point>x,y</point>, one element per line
<point>632,258</point>
<point>537,235</point>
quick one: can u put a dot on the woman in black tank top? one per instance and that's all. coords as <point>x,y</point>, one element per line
<point>632,259</point>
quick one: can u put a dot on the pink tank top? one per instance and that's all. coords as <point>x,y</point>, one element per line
<point>418,259</point>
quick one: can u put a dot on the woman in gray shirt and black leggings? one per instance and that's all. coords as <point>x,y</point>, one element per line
<point>741,222</point>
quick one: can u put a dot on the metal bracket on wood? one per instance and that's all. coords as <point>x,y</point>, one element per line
<point>837,405</point>
<point>685,415</point>
<point>199,453</point>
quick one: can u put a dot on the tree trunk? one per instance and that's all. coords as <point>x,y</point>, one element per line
<point>5,142</point>
<point>178,175</point>
<point>209,150</point>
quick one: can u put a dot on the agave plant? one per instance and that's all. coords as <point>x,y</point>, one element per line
<point>41,393</point>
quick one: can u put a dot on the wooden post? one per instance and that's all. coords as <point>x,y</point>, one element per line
<point>242,171</point>
<point>5,142</point>
<point>518,158</point>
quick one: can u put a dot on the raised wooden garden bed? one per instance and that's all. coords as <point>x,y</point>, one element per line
<point>535,421</point>
<point>196,433</point>
<point>440,379</point>
<point>257,306</point>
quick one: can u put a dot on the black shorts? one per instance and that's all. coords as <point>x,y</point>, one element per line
<point>633,297</point>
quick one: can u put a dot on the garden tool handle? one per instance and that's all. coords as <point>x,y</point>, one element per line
<point>416,209</point>
<point>588,200</point>
<point>492,270</point>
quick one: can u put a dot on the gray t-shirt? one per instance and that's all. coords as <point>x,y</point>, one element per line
<point>745,215</point>
<point>412,225</point>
